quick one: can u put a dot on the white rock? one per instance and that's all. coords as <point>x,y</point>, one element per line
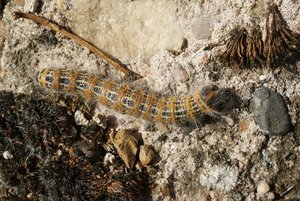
<point>262,77</point>
<point>109,158</point>
<point>262,189</point>
<point>7,155</point>
<point>80,119</point>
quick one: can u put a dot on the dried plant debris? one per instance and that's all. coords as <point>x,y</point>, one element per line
<point>255,48</point>
<point>236,47</point>
<point>244,49</point>
<point>281,46</point>
<point>125,187</point>
<point>52,158</point>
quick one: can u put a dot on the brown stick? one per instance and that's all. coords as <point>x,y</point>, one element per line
<point>60,29</point>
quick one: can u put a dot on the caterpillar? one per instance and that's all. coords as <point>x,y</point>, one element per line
<point>138,103</point>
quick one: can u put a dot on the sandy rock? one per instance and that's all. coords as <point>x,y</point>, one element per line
<point>123,28</point>
<point>146,155</point>
<point>126,146</point>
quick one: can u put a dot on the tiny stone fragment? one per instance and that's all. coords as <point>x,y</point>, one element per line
<point>7,155</point>
<point>146,155</point>
<point>270,112</point>
<point>126,146</point>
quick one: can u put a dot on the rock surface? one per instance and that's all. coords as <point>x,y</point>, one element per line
<point>129,23</point>
<point>270,112</point>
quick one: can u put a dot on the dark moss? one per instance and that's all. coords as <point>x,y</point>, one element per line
<point>48,162</point>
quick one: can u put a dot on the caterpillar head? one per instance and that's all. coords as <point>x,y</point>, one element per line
<point>220,100</point>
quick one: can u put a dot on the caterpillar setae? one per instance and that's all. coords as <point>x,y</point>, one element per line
<point>138,103</point>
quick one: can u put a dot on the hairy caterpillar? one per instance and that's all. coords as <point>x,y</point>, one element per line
<point>124,99</point>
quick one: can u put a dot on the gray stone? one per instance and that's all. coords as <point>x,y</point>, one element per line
<point>270,112</point>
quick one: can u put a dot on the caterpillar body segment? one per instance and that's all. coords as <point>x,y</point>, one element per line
<point>138,103</point>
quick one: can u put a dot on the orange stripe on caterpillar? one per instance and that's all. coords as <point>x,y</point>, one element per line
<point>122,98</point>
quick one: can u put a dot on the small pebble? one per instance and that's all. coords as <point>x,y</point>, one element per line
<point>7,155</point>
<point>202,27</point>
<point>262,188</point>
<point>270,112</point>
<point>262,77</point>
<point>109,158</point>
<point>80,119</point>
<point>180,74</point>
<point>146,155</point>
<point>29,196</point>
<point>126,146</point>
<point>270,196</point>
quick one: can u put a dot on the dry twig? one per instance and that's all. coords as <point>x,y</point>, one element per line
<point>60,29</point>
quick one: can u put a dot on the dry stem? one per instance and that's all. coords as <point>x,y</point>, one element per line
<point>60,29</point>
